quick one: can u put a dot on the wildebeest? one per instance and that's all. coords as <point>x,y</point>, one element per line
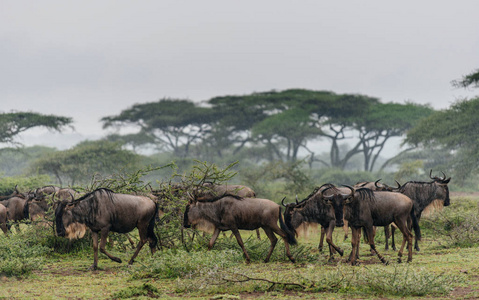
<point>17,209</point>
<point>423,194</point>
<point>237,213</point>
<point>103,211</point>
<point>376,186</point>
<point>364,208</point>
<point>318,208</point>
<point>3,218</point>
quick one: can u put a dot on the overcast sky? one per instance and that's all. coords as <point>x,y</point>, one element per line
<point>90,59</point>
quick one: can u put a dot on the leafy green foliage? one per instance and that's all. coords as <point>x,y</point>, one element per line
<point>468,80</point>
<point>79,164</point>
<point>7,184</point>
<point>143,290</point>
<point>12,124</point>
<point>21,253</point>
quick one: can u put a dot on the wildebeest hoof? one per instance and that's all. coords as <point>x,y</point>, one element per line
<point>116,259</point>
<point>320,249</point>
<point>341,252</point>
<point>394,248</point>
<point>385,262</point>
<point>356,263</point>
<point>399,260</point>
<point>92,268</point>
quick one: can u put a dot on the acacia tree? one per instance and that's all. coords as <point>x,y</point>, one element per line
<point>455,129</point>
<point>14,123</point>
<point>383,122</point>
<point>78,164</point>
<point>471,79</point>
<point>171,124</point>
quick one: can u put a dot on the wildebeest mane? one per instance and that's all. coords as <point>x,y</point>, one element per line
<point>365,194</point>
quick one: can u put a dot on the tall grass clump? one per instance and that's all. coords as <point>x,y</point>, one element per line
<point>406,281</point>
<point>179,263</point>
<point>21,253</point>
<point>456,225</point>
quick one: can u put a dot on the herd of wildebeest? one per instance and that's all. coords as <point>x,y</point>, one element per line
<point>223,207</point>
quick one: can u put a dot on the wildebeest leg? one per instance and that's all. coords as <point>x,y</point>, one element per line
<point>258,234</point>
<point>94,236</point>
<point>355,236</point>
<point>240,242</point>
<point>213,239</point>
<point>274,227</point>
<point>3,226</point>
<point>132,243</point>
<point>103,240</point>
<point>370,233</point>
<point>346,229</point>
<point>321,240</point>
<point>407,237</point>
<point>329,240</point>
<point>273,239</point>
<point>386,236</point>
<point>393,243</point>
<point>141,243</point>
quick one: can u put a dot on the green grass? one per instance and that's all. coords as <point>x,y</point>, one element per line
<point>443,268</point>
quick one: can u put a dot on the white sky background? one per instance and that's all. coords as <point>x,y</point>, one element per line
<point>90,59</point>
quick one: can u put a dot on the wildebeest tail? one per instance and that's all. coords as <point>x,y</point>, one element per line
<point>415,225</point>
<point>289,234</point>
<point>150,233</point>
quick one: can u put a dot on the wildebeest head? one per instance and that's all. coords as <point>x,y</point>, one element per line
<point>64,221</point>
<point>442,191</point>
<point>321,205</point>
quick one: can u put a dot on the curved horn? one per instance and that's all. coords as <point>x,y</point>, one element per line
<point>330,197</point>
<point>190,197</point>
<point>376,183</point>
<point>430,174</point>
<point>53,197</point>
<point>399,185</point>
<point>73,198</point>
<point>282,202</point>
<point>444,178</point>
<point>16,189</point>
<point>297,199</point>
<point>349,187</point>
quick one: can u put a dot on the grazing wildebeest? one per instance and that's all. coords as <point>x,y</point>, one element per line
<point>3,218</point>
<point>17,209</point>
<point>423,194</point>
<point>318,208</point>
<point>103,211</point>
<point>46,190</point>
<point>236,213</point>
<point>364,208</point>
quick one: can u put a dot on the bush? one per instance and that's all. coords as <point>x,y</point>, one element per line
<point>7,184</point>
<point>21,253</point>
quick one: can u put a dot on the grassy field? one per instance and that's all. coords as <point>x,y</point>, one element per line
<point>446,267</point>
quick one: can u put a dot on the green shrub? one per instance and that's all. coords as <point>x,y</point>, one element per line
<point>21,253</point>
<point>405,281</point>
<point>7,184</point>
<point>143,290</point>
